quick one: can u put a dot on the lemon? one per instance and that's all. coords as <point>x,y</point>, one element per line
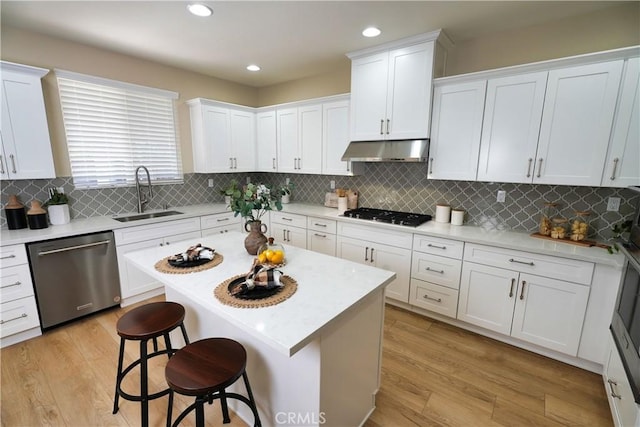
<point>269,254</point>
<point>277,257</point>
<point>262,258</point>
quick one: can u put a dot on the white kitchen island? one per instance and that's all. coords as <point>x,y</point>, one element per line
<point>313,359</point>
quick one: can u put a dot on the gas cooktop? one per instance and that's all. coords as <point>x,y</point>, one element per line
<point>392,217</point>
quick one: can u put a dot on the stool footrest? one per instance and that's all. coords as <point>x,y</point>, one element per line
<point>209,398</point>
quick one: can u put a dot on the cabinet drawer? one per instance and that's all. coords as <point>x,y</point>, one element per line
<point>13,255</point>
<point>213,231</point>
<point>434,298</point>
<point>221,219</point>
<point>289,219</point>
<point>436,246</point>
<point>527,262</point>
<point>436,269</point>
<point>17,316</point>
<point>319,241</point>
<point>322,225</point>
<point>157,230</point>
<point>15,282</point>
<point>375,234</point>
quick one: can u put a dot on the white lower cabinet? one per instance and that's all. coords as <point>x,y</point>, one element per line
<point>371,251</point>
<point>289,228</point>
<point>321,236</point>
<point>220,223</point>
<point>134,284</point>
<point>539,310</point>
<point>435,274</point>
<point>19,318</point>
<point>624,410</point>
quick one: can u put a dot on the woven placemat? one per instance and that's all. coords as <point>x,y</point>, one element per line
<point>221,292</point>
<point>163,266</point>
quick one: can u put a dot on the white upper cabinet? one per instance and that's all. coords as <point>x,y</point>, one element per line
<point>299,139</point>
<point>576,123</point>
<point>457,126</point>
<point>391,89</point>
<point>223,137</point>
<point>335,138</point>
<point>622,167</point>
<point>266,138</point>
<point>26,146</point>
<point>512,115</point>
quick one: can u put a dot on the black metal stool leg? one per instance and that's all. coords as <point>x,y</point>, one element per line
<point>144,386</point>
<point>184,334</point>
<point>200,411</point>
<point>118,376</point>
<point>170,408</point>
<point>225,408</point>
<point>167,344</point>
<point>254,407</point>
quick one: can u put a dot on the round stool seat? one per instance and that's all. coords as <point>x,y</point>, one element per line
<point>150,320</point>
<point>206,366</point>
<point>205,369</point>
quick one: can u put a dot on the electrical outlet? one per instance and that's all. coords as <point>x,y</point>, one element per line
<point>210,182</point>
<point>613,204</point>
<point>286,181</point>
<point>332,184</point>
<point>248,180</point>
<point>502,195</point>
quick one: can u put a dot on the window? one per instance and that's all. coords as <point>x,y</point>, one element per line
<point>113,127</point>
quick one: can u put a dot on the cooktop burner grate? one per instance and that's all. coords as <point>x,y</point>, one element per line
<point>391,217</point>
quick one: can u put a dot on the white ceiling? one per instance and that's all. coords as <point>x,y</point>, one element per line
<point>288,39</point>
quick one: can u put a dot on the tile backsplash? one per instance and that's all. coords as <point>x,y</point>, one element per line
<point>396,186</point>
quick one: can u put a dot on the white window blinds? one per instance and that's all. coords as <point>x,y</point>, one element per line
<point>114,127</point>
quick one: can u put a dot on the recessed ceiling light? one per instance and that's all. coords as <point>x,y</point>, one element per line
<point>371,32</point>
<point>253,67</point>
<point>199,9</point>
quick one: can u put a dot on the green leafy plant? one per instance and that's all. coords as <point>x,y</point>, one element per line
<point>232,189</point>
<point>618,230</point>
<point>254,200</point>
<point>56,198</point>
<point>285,190</point>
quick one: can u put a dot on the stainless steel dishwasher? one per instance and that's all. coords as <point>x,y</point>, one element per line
<point>74,276</point>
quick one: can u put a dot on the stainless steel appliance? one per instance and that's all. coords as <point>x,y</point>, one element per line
<point>625,325</point>
<point>407,150</point>
<point>392,217</point>
<point>74,276</point>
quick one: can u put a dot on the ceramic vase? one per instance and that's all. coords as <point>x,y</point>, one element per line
<point>59,214</point>
<point>286,198</point>
<point>256,237</point>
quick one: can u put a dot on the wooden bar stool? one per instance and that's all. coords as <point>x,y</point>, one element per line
<point>205,369</point>
<point>144,323</point>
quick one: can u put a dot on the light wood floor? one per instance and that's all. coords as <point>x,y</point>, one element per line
<point>433,374</point>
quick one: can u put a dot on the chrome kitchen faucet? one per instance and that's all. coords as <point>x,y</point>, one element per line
<point>143,198</point>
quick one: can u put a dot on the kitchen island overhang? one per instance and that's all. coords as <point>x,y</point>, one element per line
<point>312,359</point>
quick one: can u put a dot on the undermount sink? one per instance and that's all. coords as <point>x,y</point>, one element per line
<point>146,216</point>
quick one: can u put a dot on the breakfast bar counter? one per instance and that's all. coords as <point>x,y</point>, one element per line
<point>313,358</point>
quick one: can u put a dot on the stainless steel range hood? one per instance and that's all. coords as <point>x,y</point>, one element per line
<point>406,150</point>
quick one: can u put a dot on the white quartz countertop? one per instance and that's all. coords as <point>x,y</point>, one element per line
<point>102,223</point>
<point>516,240</point>
<point>327,288</point>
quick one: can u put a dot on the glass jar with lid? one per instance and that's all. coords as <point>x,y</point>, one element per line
<point>549,211</point>
<point>579,226</point>
<point>559,227</point>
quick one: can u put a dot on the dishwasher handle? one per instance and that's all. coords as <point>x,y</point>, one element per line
<point>73,248</point>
